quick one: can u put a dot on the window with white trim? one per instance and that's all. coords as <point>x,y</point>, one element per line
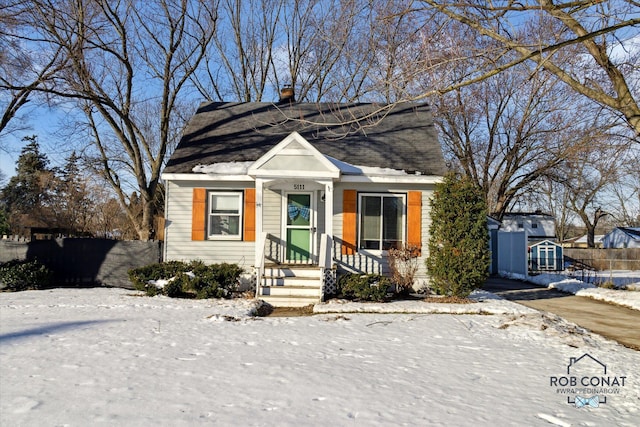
<point>381,221</point>
<point>225,215</point>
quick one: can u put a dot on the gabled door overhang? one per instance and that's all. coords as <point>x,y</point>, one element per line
<point>294,157</point>
<point>294,160</point>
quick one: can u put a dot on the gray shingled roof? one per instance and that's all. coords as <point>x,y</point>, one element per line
<point>403,137</point>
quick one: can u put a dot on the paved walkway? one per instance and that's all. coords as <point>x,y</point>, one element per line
<point>609,320</point>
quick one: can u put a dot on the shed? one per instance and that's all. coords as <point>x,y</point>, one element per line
<point>546,256</point>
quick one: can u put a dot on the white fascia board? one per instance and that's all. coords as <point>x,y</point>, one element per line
<point>393,179</point>
<point>204,177</point>
<point>329,175</point>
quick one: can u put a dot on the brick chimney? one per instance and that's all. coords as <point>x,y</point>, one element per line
<point>287,95</point>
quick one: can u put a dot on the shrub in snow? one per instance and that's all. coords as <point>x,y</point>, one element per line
<point>609,285</point>
<point>20,275</point>
<point>459,255</point>
<point>364,287</point>
<point>403,264</point>
<point>146,278</point>
<point>193,279</point>
<point>215,281</point>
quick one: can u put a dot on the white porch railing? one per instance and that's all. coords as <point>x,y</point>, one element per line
<point>260,266</point>
<point>273,249</point>
<point>348,258</point>
<point>325,262</point>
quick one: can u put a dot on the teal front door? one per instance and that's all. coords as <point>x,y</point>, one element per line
<point>299,226</point>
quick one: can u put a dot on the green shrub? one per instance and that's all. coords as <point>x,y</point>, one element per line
<point>176,288</point>
<point>19,275</point>
<point>364,287</point>
<point>459,255</point>
<point>188,279</point>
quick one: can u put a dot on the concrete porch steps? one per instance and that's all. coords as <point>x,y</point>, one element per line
<point>290,285</point>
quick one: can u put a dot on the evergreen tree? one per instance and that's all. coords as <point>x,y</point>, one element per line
<point>27,191</point>
<point>459,255</point>
<point>72,198</point>
<point>5,228</point>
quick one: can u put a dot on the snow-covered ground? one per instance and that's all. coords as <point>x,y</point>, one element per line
<point>100,356</point>
<point>582,284</point>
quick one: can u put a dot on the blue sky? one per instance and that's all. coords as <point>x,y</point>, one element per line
<point>43,122</point>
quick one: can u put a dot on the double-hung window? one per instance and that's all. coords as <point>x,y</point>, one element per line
<point>382,221</point>
<point>225,215</point>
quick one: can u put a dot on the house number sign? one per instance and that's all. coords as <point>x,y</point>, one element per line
<point>298,186</point>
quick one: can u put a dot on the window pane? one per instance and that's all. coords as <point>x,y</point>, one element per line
<point>223,203</point>
<point>370,222</point>
<point>224,225</point>
<point>224,214</point>
<point>391,222</point>
<point>299,209</point>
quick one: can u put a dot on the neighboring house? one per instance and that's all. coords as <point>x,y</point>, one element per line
<point>581,242</point>
<point>538,226</point>
<point>294,192</point>
<point>622,237</point>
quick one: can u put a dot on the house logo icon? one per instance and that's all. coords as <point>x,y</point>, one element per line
<point>586,362</point>
<point>586,365</point>
<point>587,382</point>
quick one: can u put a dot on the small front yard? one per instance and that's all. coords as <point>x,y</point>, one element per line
<point>117,357</point>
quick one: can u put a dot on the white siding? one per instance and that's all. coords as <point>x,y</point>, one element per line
<point>179,246</point>
<point>617,238</point>
<point>536,226</point>
<point>178,243</point>
<point>272,212</point>
<point>427,194</point>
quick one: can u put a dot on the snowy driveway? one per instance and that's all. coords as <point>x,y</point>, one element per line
<point>605,318</point>
<point>103,356</point>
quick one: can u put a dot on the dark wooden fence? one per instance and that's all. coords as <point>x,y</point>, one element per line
<point>605,259</point>
<point>84,261</point>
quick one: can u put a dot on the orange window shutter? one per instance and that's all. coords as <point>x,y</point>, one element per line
<point>414,219</point>
<point>249,215</point>
<point>349,221</point>
<point>199,214</point>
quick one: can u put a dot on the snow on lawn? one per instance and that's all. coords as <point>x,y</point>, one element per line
<point>82,357</point>
<point>485,303</point>
<point>566,283</point>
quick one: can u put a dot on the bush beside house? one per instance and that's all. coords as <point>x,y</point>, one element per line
<point>188,280</point>
<point>459,254</point>
<point>364,287</point>
<point>20,275</point>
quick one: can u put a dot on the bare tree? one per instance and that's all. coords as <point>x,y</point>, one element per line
<point>324,49</point>
<point>23,69</point>
<point>588,176</point>
<point>129,62</point>
<point>626,190</point>
<point>580,42</point>
<point>553,197</point>
<point>327,50</point>
<point>239,62</point>
<point>507,133</point>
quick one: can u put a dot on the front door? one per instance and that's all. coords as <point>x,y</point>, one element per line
<point>299,227</point>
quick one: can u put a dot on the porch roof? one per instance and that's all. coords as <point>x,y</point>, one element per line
<point>401,137</point>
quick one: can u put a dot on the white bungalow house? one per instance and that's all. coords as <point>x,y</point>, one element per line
<point>622,237</point>
<point>538,226</point>
<point>295,192</point>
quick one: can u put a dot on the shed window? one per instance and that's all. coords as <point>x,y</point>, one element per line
<point>225,215</point>
<point>382,221</point>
